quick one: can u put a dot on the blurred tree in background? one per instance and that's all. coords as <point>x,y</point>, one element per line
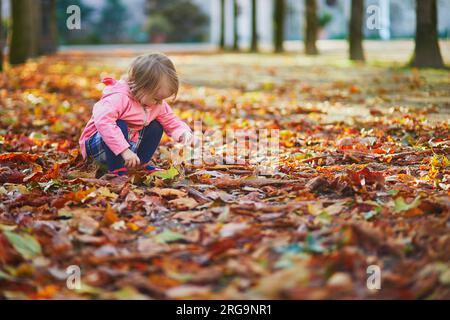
<point>158,27</point>
<point>254,28</point>
<point>222,25</point>
<point>49,31</point>
<point>279,15</point>
<point>356,34</point>
<point>235,25</point>
<point>22,42</point>
<point>2,36</point>
<point>176,21</point>
<point>427,52</point>
<point>112,21</point>
<point>33,29</point>
<point>311,27</point>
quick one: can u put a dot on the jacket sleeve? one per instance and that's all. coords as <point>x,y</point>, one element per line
<point>106,112</point>
<point>172,124</point>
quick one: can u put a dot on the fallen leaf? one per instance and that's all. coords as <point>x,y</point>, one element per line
<point>24,243</point>
<point>168,236</point>
<point>184,203</point>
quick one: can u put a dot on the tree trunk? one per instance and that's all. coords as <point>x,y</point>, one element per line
<point>49,34</point>
<point>22,31</point>
<point>311,28</point>
<point>1,38</point>
<point>222,25</point>
<point>35,15</point>
<point>235,26</point>
<point>254,33</point>
<point>427,53</point>
<point>356,30</point>
<point>278,25</point>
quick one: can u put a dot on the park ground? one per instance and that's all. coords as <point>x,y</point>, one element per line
<point>363,181</point>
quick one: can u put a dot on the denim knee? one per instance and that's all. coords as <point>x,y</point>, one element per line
<point>123,127</point>
<point>154,128</point>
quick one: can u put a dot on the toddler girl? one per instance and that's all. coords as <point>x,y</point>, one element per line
<point>128,122</point>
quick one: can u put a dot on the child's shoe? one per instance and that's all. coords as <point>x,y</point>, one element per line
<point>151,169</point>
<point>119,172</point>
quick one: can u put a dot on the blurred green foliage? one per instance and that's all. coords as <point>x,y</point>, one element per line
<point>177,21</point>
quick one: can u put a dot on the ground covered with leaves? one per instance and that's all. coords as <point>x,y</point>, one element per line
<point>363,180</point>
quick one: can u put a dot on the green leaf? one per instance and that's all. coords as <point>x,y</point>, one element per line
<point>393,192</point>
<point>89,290</point>
<point>37,135</point>
<point>46,186</point>
<point>25,244</point>
<point>4,275</point>
<point>209,121</point>
<point>126,293</point>
<point>323,218</point>
<point>168,236</point>
<point>166,174</point>
<point>444,278</point>
<point>57,127</point>
<point>400,205</point>
<point>105,192</point>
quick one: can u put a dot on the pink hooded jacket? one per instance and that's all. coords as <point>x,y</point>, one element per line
<point>117,103</point>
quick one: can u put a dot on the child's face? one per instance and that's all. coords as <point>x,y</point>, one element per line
<point>155,99</point>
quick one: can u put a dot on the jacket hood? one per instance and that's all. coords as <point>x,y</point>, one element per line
<point>113,86</point>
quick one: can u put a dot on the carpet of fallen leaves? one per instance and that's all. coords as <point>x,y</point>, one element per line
<point>363,180</point>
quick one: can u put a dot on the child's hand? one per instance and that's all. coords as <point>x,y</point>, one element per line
<point>186,138</point>
<point>131,159</point>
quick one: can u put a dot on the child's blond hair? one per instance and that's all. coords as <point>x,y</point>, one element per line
<point>146,73</point>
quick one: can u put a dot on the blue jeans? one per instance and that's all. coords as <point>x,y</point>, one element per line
<point>149,139</point>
